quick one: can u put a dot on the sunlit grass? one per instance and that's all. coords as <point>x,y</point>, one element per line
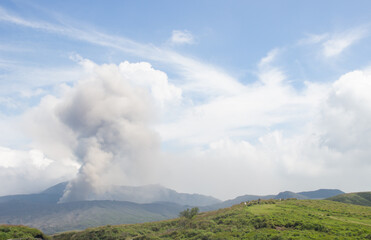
<point>265,219</point>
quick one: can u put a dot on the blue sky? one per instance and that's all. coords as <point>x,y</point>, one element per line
<point>275,90</point>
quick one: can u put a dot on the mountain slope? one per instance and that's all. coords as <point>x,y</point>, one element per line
<point>360,198</point>
<point>51,218</point>
<point>268,219</point>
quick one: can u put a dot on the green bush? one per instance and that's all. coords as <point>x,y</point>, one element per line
<point>189,213</point>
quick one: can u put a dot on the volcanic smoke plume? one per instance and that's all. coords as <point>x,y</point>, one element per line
<point>109,118</point>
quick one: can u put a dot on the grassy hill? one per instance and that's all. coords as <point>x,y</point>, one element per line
<point>266,219</point>
<point>360,198</point>
<point>20,232</point>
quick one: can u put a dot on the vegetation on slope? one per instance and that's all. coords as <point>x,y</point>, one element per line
<point>20,232</point>
<point>264,219</point>
<point>360,198</point>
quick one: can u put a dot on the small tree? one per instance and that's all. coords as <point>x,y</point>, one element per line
<point>189,213</point>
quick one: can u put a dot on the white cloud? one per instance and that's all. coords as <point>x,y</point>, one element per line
<point>333,44</point>
<point>336,44</point>
<point>331,148</point>
<point>346,117</point>
<point>325,146</point>
<point>242,113</point>
<point>181,37</point>
<point>267,60</point>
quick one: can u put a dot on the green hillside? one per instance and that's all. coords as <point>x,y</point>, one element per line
<point>267,219</point>
<point>20,232</point>
<point>360,198</point>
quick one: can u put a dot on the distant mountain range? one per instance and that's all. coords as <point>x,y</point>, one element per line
<point>119,205</point>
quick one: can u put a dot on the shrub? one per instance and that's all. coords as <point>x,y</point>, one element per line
<point>189,213</point>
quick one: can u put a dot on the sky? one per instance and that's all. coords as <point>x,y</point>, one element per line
<point>222,98</point>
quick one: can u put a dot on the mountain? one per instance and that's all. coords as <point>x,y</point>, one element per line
<point>135,205</point>
<point>321,193</point>
<point>266,219</point>
<point>137,194</point>
<point>360,198</point>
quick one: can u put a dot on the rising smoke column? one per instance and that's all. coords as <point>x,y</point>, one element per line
<point>110,120</point>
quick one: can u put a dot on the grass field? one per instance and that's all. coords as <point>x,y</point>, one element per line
<point>266,219</point>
